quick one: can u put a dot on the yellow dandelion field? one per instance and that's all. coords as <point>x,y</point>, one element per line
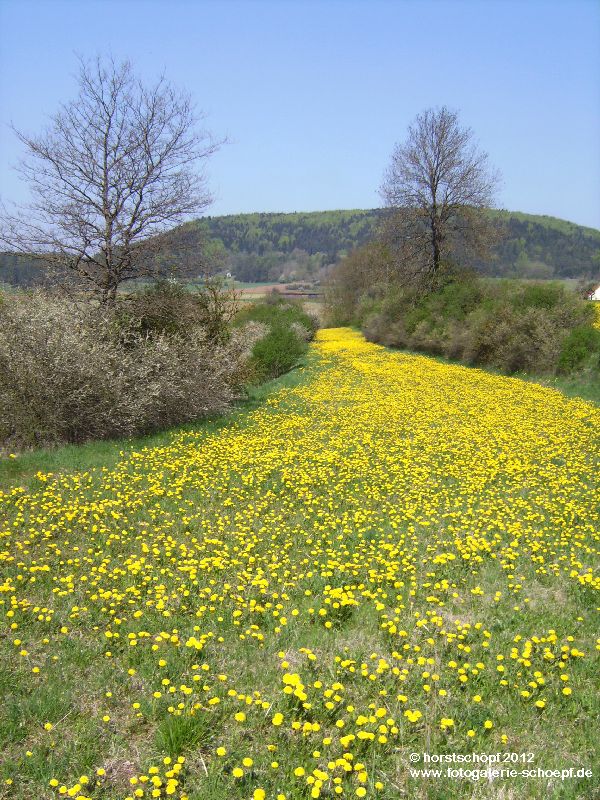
<point>391,556</point>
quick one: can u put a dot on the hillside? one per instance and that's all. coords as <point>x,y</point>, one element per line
<point>268,247</point>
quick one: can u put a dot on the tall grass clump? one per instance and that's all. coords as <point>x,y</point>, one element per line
<point>70,372</point>
<point>287,331</point>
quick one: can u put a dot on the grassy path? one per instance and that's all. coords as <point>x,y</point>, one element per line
<point>389,556</point>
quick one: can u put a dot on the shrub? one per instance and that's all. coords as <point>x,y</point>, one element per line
<point>580,348</point>
<point>289,328</point>
<point>161,308</point>
<point>540,295</point>
<point>352,279</point>
<point>509,325</point>
<point>64,377</point>
<point>277,352</point>
<point>302,332</point>
<point>275,310</point>
<point>167,307</point>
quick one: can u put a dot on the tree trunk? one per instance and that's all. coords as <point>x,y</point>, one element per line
<point>436,246</point>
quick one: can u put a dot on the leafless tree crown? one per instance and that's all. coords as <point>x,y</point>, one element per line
<point>114,170</point>
<point>437,183</point>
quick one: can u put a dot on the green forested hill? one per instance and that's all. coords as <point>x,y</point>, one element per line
<point>263,247</point>
<point>269,247</point>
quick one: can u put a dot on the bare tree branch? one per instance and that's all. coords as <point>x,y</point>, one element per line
<point>437,185</point>
<point>112,173</point>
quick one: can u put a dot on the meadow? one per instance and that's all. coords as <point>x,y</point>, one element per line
<point>386,555</point>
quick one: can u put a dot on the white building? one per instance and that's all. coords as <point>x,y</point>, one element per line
<point>595,295</point>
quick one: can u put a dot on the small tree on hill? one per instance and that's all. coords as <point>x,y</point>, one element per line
<point>437,184</point>
<point>114,171</point>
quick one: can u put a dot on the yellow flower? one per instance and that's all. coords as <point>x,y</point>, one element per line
<point>382,484</point>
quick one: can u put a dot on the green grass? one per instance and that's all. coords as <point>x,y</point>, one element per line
<point>585,386</point>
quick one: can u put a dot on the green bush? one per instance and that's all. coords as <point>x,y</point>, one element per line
<point>540,295</point>
<point>512,342</point>
<point>580,348</point>
<point>277,310</point>
<point>289,329</point>
<point>509,325</point>
<point>277,352</point>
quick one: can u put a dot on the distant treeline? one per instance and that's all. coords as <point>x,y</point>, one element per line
<point>301,246</point>
<point>19,270</point>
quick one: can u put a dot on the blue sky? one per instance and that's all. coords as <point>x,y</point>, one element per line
<point>313,95</point>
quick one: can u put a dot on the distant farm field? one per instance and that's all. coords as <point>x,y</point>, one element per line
<point>255,291</point>
<point>393,556</point>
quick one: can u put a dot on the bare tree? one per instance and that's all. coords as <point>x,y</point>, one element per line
<point>437,185</point>
<point>112,173</point>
